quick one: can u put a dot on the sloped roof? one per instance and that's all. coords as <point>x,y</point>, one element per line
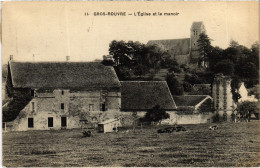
<point>196,25</point>
<point>144,95</point>
<point>62,75</point>
<point>173,46</point>
<point>189,100</point>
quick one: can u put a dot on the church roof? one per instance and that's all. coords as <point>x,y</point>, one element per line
<point>196,25</point>
<point>144,95</point>
<point>173,46</point>
<point>62,75</point>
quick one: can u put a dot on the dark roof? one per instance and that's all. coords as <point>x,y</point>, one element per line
<point>189,100</point>
<point>62,75</point>
<point>144,95</point>
<point>173,46</point>
<point>196,25</point>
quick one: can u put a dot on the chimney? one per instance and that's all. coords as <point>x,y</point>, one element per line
<point>67,58</point>
<point>11,57</point>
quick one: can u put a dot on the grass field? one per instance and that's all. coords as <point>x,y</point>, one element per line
<point>233,144</point>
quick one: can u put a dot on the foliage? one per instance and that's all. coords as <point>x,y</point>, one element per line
<point>205,48</point>
<point>138,58</point>
<point>226,67</point>
<point>187,86</point>
<point>174,85</point>
<point>156,114</point>
<point>108,62</point>
<point>192,79</point>
<point>234,88</point>
<point>246,108</point>
<point>124,73</point>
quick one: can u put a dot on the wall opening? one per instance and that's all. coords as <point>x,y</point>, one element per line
<point>63,121</point>
<point>30,122</point>
<point>62,106</point>
<point>103,107</point>
<point>50,121</point>
<point>32,93</point>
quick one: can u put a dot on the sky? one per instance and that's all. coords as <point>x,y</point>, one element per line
<point>50,31</point>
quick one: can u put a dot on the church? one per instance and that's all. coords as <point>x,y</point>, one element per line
<point>185,50</point>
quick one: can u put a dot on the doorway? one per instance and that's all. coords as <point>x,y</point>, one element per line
<point>63,121</point>
<point>50,121</point>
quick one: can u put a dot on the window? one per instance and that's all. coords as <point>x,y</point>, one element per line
<point>194,32</point>
<point>63,121</point>
<point>32,93</point>
<point>62,106</point>
<point>62,92</point>
<point>50,121</point>
<point>30,122</point>
<point>91,107</point>
<point>33,106</point>
<point>103,107</point>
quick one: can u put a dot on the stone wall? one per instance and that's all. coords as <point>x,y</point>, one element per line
<point>74,105</point>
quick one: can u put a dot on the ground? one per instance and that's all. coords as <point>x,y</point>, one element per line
<point>233,144</point>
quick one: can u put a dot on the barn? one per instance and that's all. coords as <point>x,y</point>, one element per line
<point>55,95</point>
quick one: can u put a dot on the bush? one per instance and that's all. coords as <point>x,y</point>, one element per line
<point>155,114</point>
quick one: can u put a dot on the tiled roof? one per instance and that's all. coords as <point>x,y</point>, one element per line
<point>189,100</point>
<point>62,75</point>
<point>144,95</point>
<point>173,46</point>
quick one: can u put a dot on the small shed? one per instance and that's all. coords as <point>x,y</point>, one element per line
<point>110,125</point>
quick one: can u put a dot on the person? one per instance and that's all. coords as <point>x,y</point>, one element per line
<point>233,117</point>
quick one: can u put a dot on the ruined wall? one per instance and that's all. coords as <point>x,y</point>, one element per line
<point>222,95</point>
<point>200,118</point>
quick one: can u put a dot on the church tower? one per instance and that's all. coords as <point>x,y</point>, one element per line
<point>196,29</point>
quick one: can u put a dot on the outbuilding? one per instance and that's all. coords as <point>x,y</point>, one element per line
<point>110,125</point>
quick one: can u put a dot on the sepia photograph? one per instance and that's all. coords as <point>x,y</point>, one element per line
<point>130,84</point>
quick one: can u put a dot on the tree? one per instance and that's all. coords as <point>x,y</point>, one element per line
<point>156,114</point>
<point>226,67</point>
<point>121,53</point>
<point>215,56</point>
<point>246,108</point>
<point>124,73</point>
<point>174,85</point>
<point>234,88</point>
<point>108,62</point>
<point>204,49</point>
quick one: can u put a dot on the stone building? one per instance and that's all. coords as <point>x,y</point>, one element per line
<point>222,95</point>
<point>57,95</point>
<point>244,94</point>
<point>184,51</point>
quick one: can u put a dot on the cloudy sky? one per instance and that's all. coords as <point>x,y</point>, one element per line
<point>52,30</point>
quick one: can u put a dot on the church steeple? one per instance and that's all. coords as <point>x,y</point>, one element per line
<point>196,29</point>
